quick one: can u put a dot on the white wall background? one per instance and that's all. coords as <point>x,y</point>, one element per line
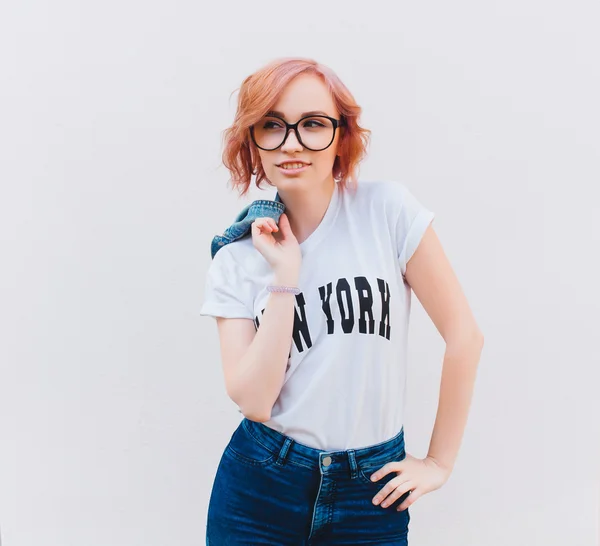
<point>113,413</point>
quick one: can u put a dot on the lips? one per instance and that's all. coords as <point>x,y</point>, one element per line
<point>291,165</point>
<point>292,168</point>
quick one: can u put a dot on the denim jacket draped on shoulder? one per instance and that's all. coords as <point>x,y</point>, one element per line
<point>243,221</point>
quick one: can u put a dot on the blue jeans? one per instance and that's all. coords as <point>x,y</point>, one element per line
<point>272,490</point>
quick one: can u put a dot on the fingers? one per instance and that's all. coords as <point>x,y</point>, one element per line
<point>414,495</point>
<point>394,466</point>
<point>397,484</point>
<point>397,493</point>
<point>284,226</point>
<point>265,225</point>
<point>284,220</point>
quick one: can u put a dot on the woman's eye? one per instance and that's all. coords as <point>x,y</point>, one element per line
<point>313,123</point>
<point>271,125</point>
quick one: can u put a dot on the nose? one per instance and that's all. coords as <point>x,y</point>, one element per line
<point>291,143</point>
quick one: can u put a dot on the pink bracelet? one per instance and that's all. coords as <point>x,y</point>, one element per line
<point>286,289</point>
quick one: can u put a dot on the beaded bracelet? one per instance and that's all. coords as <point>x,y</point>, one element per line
<point>285,289</point>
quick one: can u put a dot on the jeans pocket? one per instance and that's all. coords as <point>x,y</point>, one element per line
<point>247,449</point>
<point>366,469</point>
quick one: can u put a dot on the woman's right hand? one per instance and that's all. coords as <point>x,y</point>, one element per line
<point>277,243</point>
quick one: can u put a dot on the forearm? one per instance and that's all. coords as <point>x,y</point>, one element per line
<point>262,368</point>
<point>459,371</point>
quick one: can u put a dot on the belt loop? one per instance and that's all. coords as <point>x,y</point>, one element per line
<point>353,465</point>
<point>284,451</point>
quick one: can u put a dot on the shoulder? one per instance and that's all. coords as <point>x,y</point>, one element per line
<point>379,189</point>
<point>391,195</point>
<point>240,255</point>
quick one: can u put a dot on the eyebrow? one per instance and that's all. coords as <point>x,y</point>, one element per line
<point>304,114</point>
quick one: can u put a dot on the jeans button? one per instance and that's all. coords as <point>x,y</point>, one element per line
<point>327,461</point>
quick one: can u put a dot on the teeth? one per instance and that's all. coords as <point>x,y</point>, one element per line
<point>292,165</point>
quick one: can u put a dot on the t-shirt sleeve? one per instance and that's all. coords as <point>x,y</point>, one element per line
<point>412,221</point>
<point>226,291</point>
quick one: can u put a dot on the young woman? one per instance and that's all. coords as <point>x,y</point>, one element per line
<point>312,310</point>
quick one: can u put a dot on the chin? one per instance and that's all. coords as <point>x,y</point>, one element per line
<point>287,178</point>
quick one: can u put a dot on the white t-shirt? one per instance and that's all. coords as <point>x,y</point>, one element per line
<point>345,383</point>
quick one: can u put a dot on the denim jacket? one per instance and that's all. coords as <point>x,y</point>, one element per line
<point>241,226</point>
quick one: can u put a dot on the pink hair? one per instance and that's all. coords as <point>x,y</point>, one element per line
<point>257,95</point>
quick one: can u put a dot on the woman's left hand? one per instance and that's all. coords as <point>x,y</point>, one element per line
<point>419,476</point>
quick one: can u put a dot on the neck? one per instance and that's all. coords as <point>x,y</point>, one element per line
<point>305,209</point>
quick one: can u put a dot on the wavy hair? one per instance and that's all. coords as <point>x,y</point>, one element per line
<point>258,94</point>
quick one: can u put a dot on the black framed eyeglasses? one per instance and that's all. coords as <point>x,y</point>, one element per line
<point>315,133</point>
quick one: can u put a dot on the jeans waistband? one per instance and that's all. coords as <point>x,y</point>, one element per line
<point>329,461</point>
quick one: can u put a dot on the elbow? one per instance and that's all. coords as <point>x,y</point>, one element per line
<point>478,337</point>
<point>249,410</point>
<point>257,417</point>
